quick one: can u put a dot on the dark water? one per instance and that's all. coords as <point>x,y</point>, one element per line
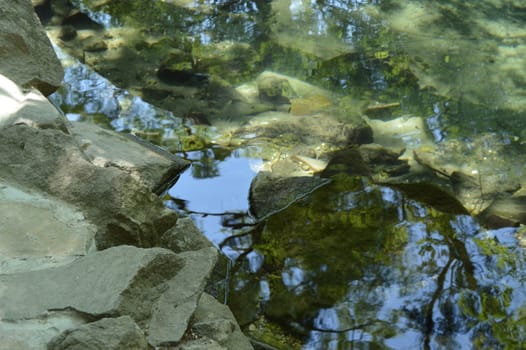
<point>353,265</point>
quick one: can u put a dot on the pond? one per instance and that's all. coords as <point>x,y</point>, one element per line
<point>360,163</point>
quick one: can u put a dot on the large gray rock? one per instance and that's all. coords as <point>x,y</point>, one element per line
<point>26,55</point>
<point>124,210</point>
<point>28,107</point>
<point>38,151</point>
<point>176,306</point>
<point>37,232</point>
<point>145,162</point>
<point>215,320</point>
<point>123,280</point>
<point>120,333</point>
<point>37,305</point>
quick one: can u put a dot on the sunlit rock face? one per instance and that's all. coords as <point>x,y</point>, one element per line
<point>27,57</point>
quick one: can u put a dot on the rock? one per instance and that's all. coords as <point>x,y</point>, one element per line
<point>219,329</point>
<point>120,333</point>
<point>118,281</point>
<point>270,193</point>
<point>202,344</point>
<point>124,210</point>
<point>145,162</point>
<point>504,212</point>
<point>433,196</point>
<point>26,54</point>
<point>184,236</point>
<point>309,105</point>
<point>67,33</point>
<point>174,309</point>
<point>94,44</point>
<point>37,232</point>
<point>28,107</point>
<point>122,280</point>
<point>275,90</point>
<point>312,130</point>
<point>215,320</point>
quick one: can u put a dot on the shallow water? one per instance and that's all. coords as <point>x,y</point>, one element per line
<point>353,265</point>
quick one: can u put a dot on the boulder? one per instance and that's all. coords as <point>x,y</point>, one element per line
<point>25,51</point>
<point>120,333</point>
<point>174,309</point>
<point>145,162</point>
<point>28,107</point>
<point>214,320</point>
<point>37,231</point>
<point>118,281</point>
<point>124,210</point>
<point>184,236</point>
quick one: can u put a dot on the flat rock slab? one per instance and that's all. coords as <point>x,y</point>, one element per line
<point>120,333</point>
<point>144,161</point>
<point>37,231</point>
<point>117,281</point>
<point>175,307</point>
<point>25,51</point>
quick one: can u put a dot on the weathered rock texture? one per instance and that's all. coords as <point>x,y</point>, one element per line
<point>145,162</point>
<point>67,190</point>
<point>26,55</point>
<point>119,333</point>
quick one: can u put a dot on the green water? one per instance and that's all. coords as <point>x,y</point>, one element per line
<point>354,265</point>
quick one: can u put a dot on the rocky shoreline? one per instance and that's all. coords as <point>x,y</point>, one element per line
<point>90,257</point>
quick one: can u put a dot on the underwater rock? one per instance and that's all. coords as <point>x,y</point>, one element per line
<point>504,212</point>
<point>370,160</point>
<point>270,193</point>
<point>433,196</point>
<point>309,105</point>
<point>67,33</point>
<point>274,89</point>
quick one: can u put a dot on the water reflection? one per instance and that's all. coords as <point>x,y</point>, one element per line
<point>354,264</point>
<point>214,191</point>
<point>343,276</point>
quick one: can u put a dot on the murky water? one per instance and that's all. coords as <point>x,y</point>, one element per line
<point>353,265</point>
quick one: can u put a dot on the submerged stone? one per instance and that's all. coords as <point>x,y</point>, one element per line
<point>270,193</point>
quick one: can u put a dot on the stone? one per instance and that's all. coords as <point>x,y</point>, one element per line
<point>219,329</point>
<point>145,162</point>
<point>270,193</point>
<point>505,212</point>
<point>202,344</point>
<point>124,210</point>
<point>28,107</point>
<point>213,319</point>
<point>37,232</point>
<point>122,280</point>
<point>174,309</point>
<point>25,51</point>
<point>274,89</point>
<point>184,236</point>
<point>120,333</point>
